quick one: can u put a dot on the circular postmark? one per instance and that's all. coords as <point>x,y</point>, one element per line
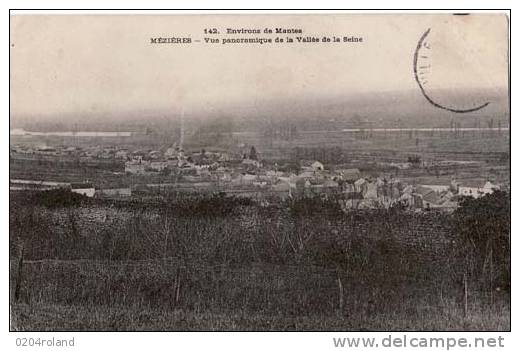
<point>423,68</point>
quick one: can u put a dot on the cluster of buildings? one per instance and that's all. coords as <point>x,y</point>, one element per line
<point>252,178</point>
<point>243,174</point>
<point>173,159</point>
<point>357,190</point>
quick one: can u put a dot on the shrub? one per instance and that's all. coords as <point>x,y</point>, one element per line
<point>482,231</point>
<point>56,198</point>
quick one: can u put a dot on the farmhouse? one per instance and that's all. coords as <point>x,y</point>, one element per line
<point>317,166</point>
<point>83,189</point>
<point>474,189</point>
<point>312,166</point>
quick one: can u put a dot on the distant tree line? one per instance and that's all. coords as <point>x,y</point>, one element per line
<point>322,154</point>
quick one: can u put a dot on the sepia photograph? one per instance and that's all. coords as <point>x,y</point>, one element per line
<point>259,172</point>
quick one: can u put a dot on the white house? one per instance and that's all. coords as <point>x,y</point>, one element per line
<point>83,189</point>
<point>360,185</point>
<point>158,165</point>
<point>317,166</point>
<point>475,189</point>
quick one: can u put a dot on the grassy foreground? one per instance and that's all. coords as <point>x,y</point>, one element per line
<point>228,264</point>
<point>79,318</point>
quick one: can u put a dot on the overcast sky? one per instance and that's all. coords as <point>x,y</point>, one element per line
<point>106,64</point>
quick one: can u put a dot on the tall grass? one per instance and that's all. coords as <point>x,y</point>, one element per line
<point>219,257</point>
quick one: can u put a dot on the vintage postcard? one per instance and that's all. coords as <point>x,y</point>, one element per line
<point>270,172</point>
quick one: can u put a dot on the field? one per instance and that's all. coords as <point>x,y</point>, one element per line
<point>488,150</point>
<point>219,263</point>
